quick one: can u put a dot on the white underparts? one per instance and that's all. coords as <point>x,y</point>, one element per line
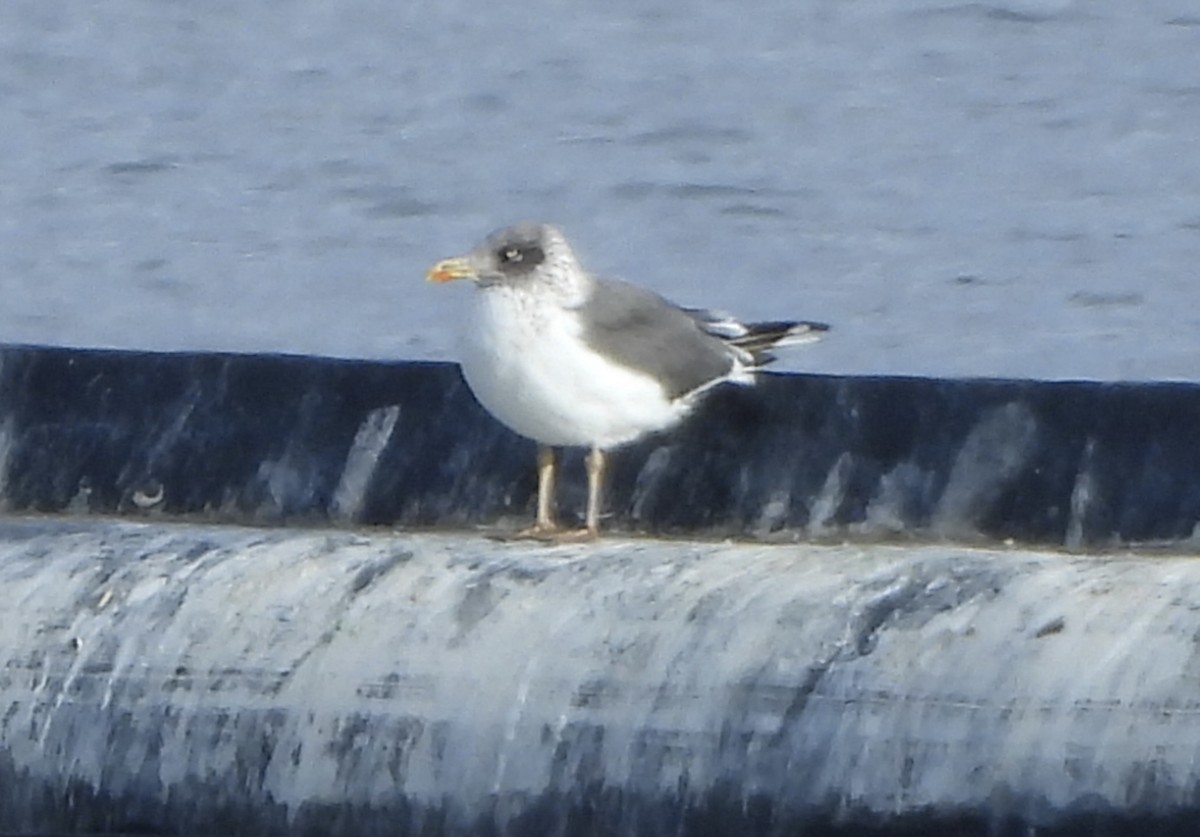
<point>525,359</point>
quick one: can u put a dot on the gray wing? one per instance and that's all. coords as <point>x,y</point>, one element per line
<point>639,329</point>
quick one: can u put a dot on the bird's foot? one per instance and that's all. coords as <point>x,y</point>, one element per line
<point>553,533</point>
<point>575,536</point>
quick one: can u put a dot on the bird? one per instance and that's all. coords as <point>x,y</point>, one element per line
<point>571,359</point>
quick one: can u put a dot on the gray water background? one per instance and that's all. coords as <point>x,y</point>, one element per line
<point>1007,188</point>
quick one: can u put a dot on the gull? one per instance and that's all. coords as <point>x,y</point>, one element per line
<point>570,359</point>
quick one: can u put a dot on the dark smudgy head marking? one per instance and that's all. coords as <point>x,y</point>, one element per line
<point>519,257</point>
<point>518,249</point>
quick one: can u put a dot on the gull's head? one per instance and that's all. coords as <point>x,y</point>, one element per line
<point>513,256</point>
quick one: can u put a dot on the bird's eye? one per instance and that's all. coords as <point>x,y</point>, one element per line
<point>518,258</point>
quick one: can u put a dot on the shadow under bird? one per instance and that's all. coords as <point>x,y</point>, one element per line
<point>570,359</point>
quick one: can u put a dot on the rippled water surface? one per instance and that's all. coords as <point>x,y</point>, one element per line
<point>1007,188</point>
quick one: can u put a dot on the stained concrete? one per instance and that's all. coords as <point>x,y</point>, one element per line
<point>218,679</point>
<point>286,440</point>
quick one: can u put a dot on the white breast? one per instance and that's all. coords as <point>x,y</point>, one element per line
<point>524,358</point>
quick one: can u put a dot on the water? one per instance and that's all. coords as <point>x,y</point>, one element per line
<point>1005,188</point>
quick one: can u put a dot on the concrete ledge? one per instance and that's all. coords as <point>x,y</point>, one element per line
<point>205,679</point>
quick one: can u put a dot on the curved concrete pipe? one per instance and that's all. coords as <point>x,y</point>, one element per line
<point>200,679</point>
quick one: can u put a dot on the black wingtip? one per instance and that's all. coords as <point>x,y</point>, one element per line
<point>760,337</point>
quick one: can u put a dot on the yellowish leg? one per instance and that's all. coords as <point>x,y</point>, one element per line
<point>545,527</point>
<point>595,474</point>
<point>547,461</point>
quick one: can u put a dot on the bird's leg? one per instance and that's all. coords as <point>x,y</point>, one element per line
<point>595,475</point>
<point>547,462</point>
<point>545,527</point>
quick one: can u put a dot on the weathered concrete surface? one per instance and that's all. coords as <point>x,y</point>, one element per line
<point>200,679</point>
<point>268,439</point>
